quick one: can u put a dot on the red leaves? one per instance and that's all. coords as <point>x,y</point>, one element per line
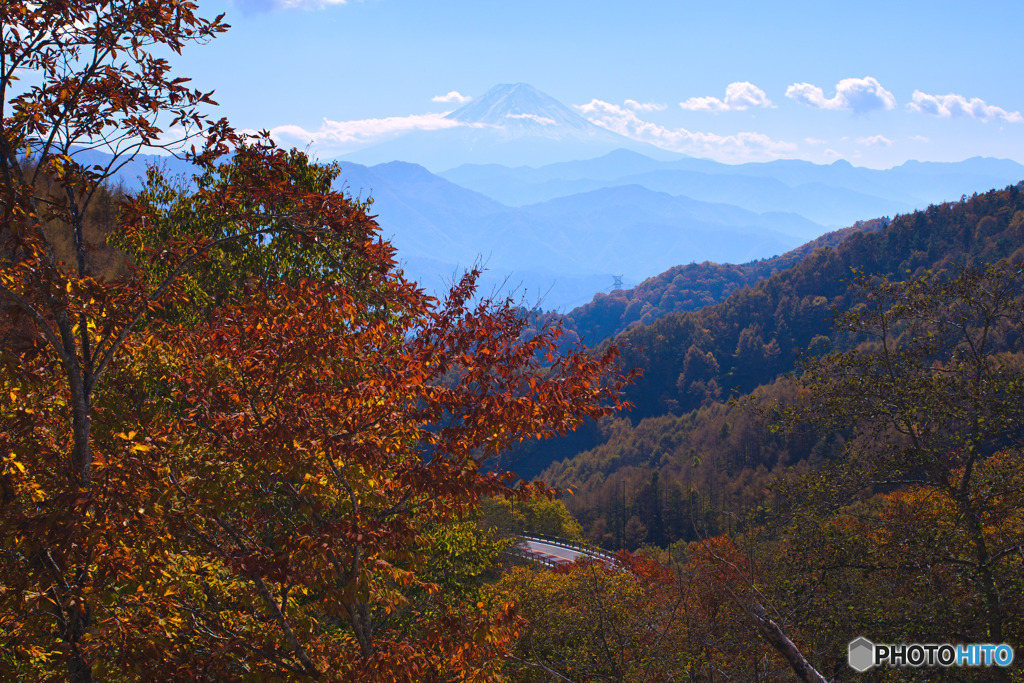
<point>274,412</point>
<point>349,430</point>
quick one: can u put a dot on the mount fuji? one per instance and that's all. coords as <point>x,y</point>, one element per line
<point>511,124</point>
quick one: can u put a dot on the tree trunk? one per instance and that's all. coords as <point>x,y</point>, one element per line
<point>81,427</point>
<point>777,638</point>
<point>993,605</point>
<point>79,670</point>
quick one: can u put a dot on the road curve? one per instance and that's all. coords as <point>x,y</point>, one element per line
<point>550,553</point>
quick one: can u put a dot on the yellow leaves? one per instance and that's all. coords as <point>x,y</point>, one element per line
<point>23,482</point>
<point>12,459</point>
<point>135,447</point>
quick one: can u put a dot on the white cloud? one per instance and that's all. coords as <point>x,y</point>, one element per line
<point>814,141</point>
<point>309,4</point>
<point>338,137</point>
<point>947,106</point>
<point>645,106</point>
<point>831,154</point>
<point>920,138</point>
<point>859,95</point>
<point>738,96</point>
<point>746,146</point>
<point>875,140</point>
<point>257,6</point>
<point>536,118</point>
<point>453,96</point>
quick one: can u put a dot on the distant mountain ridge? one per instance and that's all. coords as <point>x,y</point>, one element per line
<point>565,227</point>
<point>565,249</point>
<point>834,195</point>
<point>512,123</point>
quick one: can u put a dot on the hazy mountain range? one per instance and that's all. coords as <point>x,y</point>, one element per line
<point>607,206</point>
<point>511,124</point>
<point>565,228</point>
<point>566,248</point>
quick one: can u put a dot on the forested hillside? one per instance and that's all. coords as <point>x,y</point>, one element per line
<point>877,492</point>
<point>684,452</point>
<point>756,334</point>
<point>688,288</point>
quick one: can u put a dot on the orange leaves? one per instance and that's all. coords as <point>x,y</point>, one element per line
<point>354,431</point>
<point>271,419</point>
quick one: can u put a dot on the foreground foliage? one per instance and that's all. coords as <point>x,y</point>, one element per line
<point>908,530</point>
<point>236,443</point>
<point>917,529</point>
<point>643,620</point>
<point>265,471</point>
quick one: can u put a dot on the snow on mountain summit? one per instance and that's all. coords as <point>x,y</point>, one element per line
<point>512,124</point>
<point>521,109</point>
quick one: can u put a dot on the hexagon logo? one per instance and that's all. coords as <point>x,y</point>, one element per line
<point>862,654</point>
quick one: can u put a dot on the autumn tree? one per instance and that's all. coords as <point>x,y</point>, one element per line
<point>231,459</point>
<point>700,618</point>
<point>926,498</point>
<point>321,441</point>
<point>76,77</point>
<point>591,622</point>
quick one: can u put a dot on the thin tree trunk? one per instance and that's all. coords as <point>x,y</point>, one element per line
<point>778,639</point>
<point>993,606</point>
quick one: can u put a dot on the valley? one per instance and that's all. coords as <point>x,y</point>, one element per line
<point>686,377</point>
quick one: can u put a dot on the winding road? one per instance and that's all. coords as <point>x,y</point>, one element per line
<point>555,553</point>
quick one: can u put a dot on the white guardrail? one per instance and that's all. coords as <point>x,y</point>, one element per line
<point>549,560</point>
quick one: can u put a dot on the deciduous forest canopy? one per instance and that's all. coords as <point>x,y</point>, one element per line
<point>235,437</point>
<point>237,444</point>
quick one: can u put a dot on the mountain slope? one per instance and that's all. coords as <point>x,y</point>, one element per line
<point>689,287</point>
<point>510,124</point>
<point>756,334</point>
<point>685,463</point>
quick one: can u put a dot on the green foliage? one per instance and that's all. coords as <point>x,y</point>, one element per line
<point>537,515</point>
<point>460,554</point>
<point>928,493</point>
<point>714,478</point>
<point>259,246</point>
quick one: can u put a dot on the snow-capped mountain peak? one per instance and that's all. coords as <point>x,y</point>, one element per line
<point>521,109</point>
<point>512,124</point>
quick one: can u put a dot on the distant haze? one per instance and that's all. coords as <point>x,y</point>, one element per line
<point>511,124</point>
<point>557,207</point>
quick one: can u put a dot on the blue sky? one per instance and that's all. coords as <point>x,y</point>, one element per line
<point>876,83</point>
